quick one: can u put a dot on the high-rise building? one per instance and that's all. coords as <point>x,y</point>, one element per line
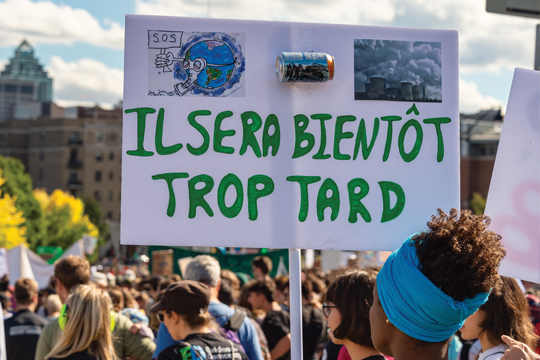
<point>24,84</point>
<point>25,66</point>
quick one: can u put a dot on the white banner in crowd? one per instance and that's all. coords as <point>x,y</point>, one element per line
<point>219,152</point>
<point>513,202</point>
<point>3,262</point>
<point>24,263</point>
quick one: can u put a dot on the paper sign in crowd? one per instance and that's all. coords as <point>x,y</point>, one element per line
<point>219,152</point>
<point>514,194</point>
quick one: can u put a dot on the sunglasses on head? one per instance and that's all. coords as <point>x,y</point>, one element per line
<point>327,308</point>
<point>161,315</point>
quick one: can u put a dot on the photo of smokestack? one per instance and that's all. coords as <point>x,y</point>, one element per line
<point>397,70</point>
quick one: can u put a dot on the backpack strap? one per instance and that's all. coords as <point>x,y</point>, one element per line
<point>235,321</point>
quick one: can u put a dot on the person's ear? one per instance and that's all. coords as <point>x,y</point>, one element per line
<point>176,318</point>
<point>218,285</point>
<point>35,299</point>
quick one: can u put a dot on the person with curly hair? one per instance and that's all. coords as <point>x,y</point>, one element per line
<point>349,298</point>
<point>506,313</point>
<point>432,283</point>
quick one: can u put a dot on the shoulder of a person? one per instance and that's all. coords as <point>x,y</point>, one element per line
<point>219,309</point>
<point>172,351</point>
<point>122,322</point>
<point>8,321</point>
<point>37,318</point>
<point>51,328</point>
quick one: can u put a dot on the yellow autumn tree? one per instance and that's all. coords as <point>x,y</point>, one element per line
<point>64,218</point>
<point>12,230</point>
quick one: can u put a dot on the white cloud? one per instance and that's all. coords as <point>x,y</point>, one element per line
<point>85,81</point>
<point>325,11</point>
<point>46,22</point>
<point>471,100</point>
<point>488,42</point>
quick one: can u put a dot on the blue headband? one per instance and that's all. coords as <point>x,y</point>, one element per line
<point>414,304</point>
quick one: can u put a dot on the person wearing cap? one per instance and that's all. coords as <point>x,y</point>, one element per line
<point>206,269</point>
<point>183,309</point>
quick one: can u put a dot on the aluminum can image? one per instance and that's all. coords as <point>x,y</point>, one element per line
<point>304,67</point>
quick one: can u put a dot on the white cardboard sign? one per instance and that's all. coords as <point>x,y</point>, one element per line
<point>218,151</point>
<point>513,202</point>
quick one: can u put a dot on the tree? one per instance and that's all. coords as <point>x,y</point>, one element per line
<point>19,187</point>
<point>65,221</point>
<point>478,203</point>
<point>11,220</point>
<point>93,210</point>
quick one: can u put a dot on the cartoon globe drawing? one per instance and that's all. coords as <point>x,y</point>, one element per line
<point>213,60</point>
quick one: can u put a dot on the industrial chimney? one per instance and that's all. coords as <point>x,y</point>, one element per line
<point>406,90</point>
<point>416,92</point>
<point>377,85</point>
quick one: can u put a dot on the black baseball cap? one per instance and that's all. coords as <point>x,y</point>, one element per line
<point>184,297</point>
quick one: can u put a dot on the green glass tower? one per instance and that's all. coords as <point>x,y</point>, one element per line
<point>24,66</point>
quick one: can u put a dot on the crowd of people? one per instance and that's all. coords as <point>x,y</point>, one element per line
<point>439,296</point>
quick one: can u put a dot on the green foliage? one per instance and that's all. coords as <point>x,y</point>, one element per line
<point>93,210</point>
<point>20,184</point>
<point>60,230</point>
<point>477,203</point>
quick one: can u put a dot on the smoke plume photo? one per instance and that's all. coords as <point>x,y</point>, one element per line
<point>397,70</point>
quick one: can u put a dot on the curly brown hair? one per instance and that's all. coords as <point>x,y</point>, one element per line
<point>459,254</point>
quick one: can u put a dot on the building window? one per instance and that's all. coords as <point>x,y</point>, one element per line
<point>99,136</point>
<point>98,176</point>
<point>41,155</point>
<point>11,88</point>
<point>99,156</point>
<point>27,89</point>
<point>111,175</point>
<point>111,195</point>
<point>484,150</point>
<point>111,156</point>
<point>112,136</point>
<point>109,215</point>
<point>42,135</point>
<point>74,137</point>
<point>97,195</point>
<point>41,175</point>
<point>72,177</point>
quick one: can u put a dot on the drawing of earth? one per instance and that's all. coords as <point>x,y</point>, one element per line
<point>219,62</point>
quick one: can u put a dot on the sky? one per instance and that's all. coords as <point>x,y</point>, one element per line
<point>80,43</point>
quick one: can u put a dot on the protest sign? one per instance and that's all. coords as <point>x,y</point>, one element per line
<point>163,262</point>
<point>513,201</point>
<point>219,152</point>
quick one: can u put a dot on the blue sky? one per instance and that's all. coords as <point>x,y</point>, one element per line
<point>80,43</point>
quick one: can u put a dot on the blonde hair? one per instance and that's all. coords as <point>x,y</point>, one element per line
<point>53,304</point>
<point>88,325</point>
